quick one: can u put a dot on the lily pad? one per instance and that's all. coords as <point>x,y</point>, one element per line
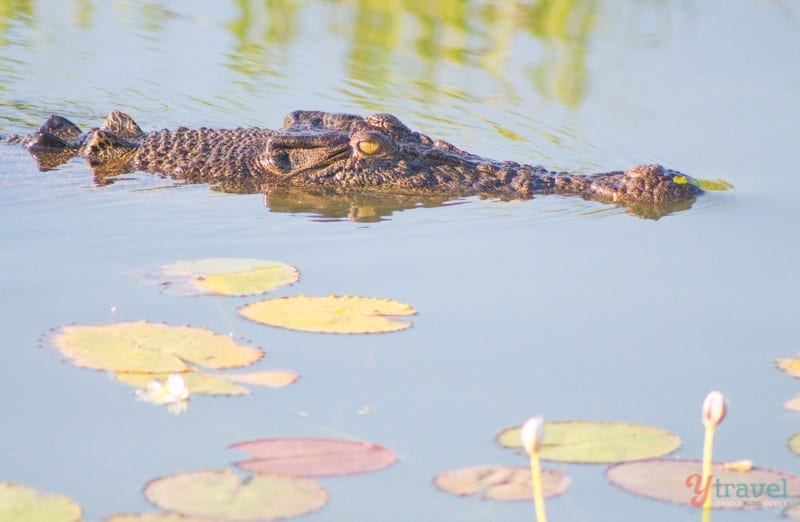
<point>597,442</point>
<point>714,184</point>
<point>500,482</point>
<point>792,404</point>
<point>156,517</point>
<point>222,495</point>
<point>794,443</point>
<point>227,276</point>
<point>680,481</point>
<point>790,366</point>
<point>269,378</point>
<point>203,383</point>
<point>145,347</point>
<point>23,504</point>
<point>198,382</point>
<point>314,457</point>
<point>792,511</point>
<point>331,314</point>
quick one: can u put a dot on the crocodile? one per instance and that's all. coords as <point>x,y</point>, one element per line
<point>319,151</point>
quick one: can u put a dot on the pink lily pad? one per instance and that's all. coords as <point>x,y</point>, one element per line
<point>314,457</point>
<point>680,481</point>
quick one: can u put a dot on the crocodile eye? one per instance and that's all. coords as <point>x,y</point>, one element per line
<point>369,146</point>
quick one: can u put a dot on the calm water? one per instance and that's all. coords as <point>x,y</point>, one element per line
<point>556,306</point>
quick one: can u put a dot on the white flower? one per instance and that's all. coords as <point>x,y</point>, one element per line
<point>173,393</point>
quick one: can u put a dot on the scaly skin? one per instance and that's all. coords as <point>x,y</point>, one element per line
<point>318,150</point>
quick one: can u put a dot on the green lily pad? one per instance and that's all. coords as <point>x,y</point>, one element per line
<point>314,457</point>
<point>680,481</point>
<point>331,314</point>
<point>23,504</point>
<point>597,442</point>
<point>227,276</point>
<point>222,495</point>
<point>500,482</point>
<point>145,347</point>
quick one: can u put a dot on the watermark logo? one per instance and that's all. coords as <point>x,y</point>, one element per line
<point>744,494</point>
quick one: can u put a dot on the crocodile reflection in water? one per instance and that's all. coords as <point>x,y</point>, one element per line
<point>339,156</point>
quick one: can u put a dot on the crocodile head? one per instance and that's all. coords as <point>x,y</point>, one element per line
<point>343,150</point>
<point>379,152</point>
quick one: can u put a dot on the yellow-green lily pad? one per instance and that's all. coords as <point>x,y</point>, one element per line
<point>145,347</point>
<point>794,443</point>
<point>227,276</point>
<point>203,383</point>
<point>500,482</point>
<point>597,442</point>
<point>268,378</point>
<point>198,382</point>
<point>223,495</point>
<point>331,314</point>
<point>680,481</point>
<point>790,366</point>
<point>714,184</point>
<point>792,404</point>
<point>23,504</point>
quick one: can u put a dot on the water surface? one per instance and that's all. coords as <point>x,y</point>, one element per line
<point>554,306</point>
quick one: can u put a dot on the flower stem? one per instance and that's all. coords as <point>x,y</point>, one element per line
<point>536,481</point>
<point>708,449</point>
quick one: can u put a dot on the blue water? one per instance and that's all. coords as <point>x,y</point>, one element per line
<point>555,306</point>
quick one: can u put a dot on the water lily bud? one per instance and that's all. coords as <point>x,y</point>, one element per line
<point>532,433</point>
<point>714,409</point>
<point>742,466</point>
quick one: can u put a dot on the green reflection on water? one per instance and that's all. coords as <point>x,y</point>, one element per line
<point>481,36</point>
<point>10,11</point>
<point>379,34</point>
<point>420,46</point>
<point>155,18</point>
<point>261,28</point>
<point>566,25</point>
<point>84,13</point>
